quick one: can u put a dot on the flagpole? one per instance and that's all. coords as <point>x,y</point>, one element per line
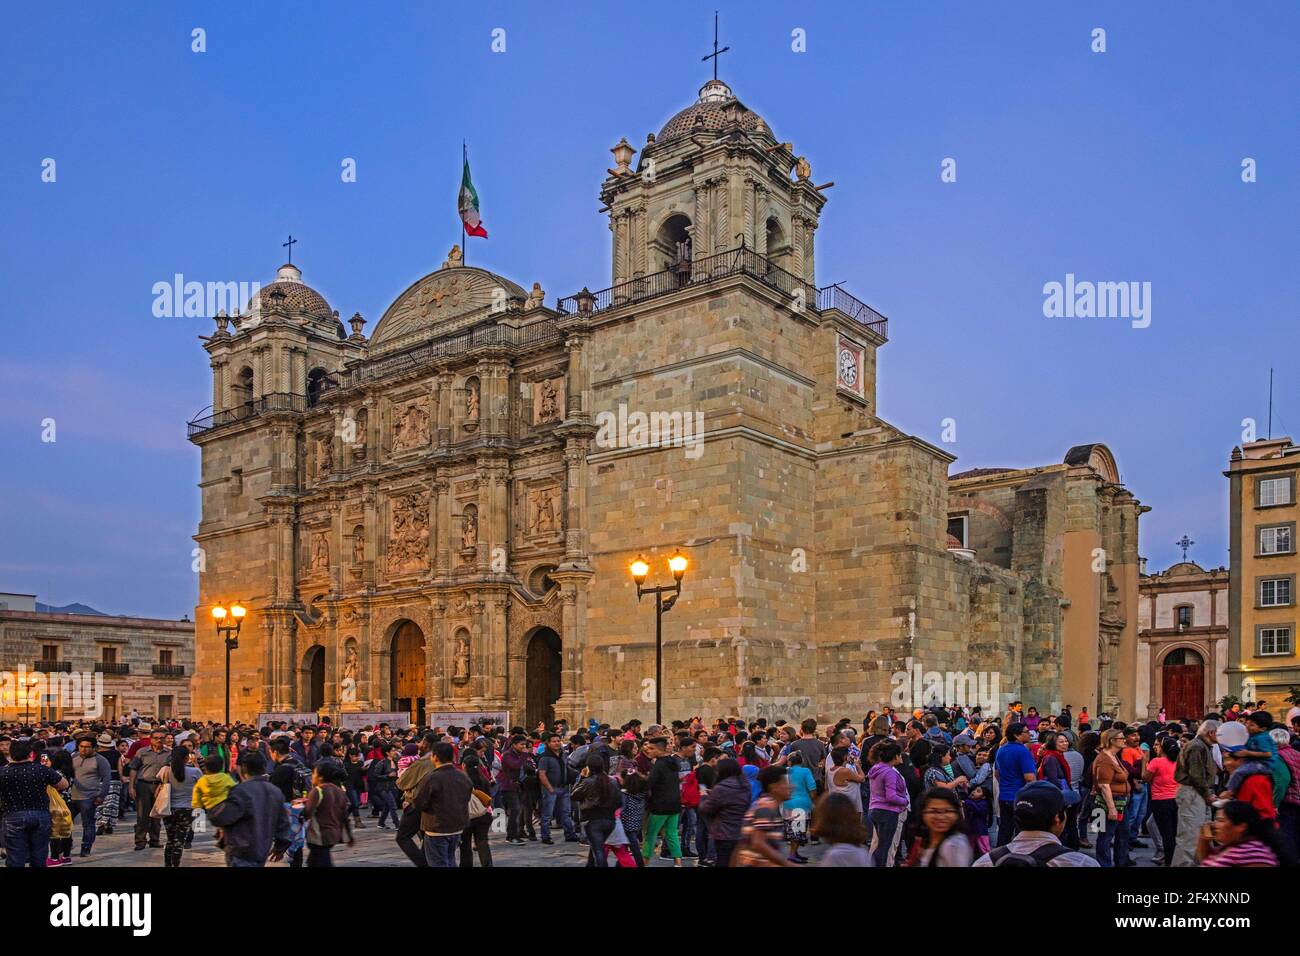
<point>464,233</point>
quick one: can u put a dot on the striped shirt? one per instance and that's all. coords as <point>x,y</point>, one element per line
<point>1246,853</point>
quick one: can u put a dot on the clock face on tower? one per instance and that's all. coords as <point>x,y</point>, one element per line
<point>848,367</point>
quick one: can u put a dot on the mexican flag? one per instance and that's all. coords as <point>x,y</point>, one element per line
<point>469,203</point>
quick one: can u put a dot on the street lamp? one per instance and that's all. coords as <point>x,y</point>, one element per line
<point>665,597</point>
<point>230,633</point>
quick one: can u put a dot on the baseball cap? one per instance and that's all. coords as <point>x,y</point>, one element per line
<point>1039,800</point>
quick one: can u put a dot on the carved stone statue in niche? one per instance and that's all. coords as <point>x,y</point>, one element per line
<point>320,551</point>
<point>461,664</point>
<point>471,400</point>
<point>348,685</point>
<point>408,538</point>
<point>324,456</point>
<point>358,546</point>
<point>360,423</point>
<point>469,528</point>
<point>545,512</point>
<point>411,426</point>
<point>548,401</point>
<point>535,298</point>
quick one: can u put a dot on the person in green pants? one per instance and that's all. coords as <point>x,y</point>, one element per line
<point>664,800</point>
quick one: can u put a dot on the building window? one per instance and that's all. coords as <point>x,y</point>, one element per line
<point>1274,592</point>
<point>1276,540</point>
<point>108,655</point>
<point>1184,615</point>
<point>1273,491</point>
<point>1274,640</point>
<point>165,707</point>
<point>164,657</point>
<point>958,528</point>
<point>49,652</point>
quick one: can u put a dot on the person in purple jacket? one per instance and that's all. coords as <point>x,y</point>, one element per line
<point>889,803</point>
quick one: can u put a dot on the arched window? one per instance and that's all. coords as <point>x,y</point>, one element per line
<point>316,380</point>
<point>778,244</point>
<point>673,241</point>
<point>241,390</point>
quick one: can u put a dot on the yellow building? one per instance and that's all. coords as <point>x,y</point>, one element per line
<point>1262,662</point>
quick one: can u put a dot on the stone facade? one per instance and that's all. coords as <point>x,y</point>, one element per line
<point>1070,531</point>
<point>1182,641</point>
<point>442,517</point>
<point>113,664</point>
<point>1262,510</point>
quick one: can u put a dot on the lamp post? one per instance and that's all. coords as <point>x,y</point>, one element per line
<point>665,597</point>
<point>230,634</point>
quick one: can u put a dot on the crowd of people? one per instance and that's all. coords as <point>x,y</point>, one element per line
<point>942,787</point>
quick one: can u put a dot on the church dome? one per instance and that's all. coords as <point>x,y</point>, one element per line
<point>709,112</point>
<point>288,293</point>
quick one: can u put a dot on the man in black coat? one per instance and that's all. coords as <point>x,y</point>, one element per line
<point>254,819</point>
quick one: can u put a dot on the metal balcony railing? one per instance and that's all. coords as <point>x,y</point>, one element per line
<point>275,402</point>
<point>169,670</point>
<point>106,668</point>
<point>53,667</point>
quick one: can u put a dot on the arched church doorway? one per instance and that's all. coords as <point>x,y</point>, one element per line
<point>408,671</point>
<point>542,677</point>
<point>1182,684</point>
<point>314,668</point>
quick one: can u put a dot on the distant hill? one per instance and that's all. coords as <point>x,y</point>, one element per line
<point>68,609</point>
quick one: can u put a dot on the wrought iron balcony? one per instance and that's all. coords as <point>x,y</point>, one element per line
<point>169,670</point>
<point>53,667</point>
<point>275,402</point>
<point>105,668</point>
<point>722,265</point>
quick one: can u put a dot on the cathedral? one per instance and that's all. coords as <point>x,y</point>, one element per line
<point>440,517</point>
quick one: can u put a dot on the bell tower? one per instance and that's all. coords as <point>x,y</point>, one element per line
<point>714,179</point>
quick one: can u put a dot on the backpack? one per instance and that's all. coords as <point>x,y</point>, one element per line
<point>1002,856</point>
<point>301,777</point>
<point>690,790</point>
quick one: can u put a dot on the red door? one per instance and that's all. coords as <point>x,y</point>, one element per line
<point>1183,686</point>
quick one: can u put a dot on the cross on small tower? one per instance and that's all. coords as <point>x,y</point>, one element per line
<point>716,52</point>
<point>1185,543</point>
<point>289,245</point>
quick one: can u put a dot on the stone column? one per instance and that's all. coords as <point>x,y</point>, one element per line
<point>330,699</point>
<point>270,688</point>
<point>575,516</point>
<point>498,648</point>
<point>337,545</point>
<point>577,381</point>
<point>572,704</point>
<point>440,530</point>
<point>445,403</point>
<point>370,550</point>
<point>218,385</point>
<point>437,680</point>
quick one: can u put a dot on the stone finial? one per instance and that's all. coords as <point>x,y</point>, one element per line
<point>802,169</point>
<point>649,139</point>
<point>623,153</point>
<point>223,321</point>
<point>455,258</point>
<point>357,323</point>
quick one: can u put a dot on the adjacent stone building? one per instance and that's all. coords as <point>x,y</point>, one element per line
<point>1070,531</point>
<point>1262,512</point>
<point>58,666</point>
<point>441,517</point>
<point>1182,661</point>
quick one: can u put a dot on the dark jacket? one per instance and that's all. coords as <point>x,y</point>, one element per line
<point>591,804</point>
<point>443,800</point>
<point>511,763</point>
<point>308,755</point>
<point>665,785</point>
<point>254,820</point>
<point>723,807</point>
<point>328,814</point>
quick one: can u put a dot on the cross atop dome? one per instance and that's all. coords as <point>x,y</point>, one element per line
<point>716,52</point>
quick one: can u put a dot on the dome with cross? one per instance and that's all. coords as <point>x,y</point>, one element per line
<point>712,112</point>
<point>288,293</point>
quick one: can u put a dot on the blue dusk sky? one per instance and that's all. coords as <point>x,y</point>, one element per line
<point>1117,166</point>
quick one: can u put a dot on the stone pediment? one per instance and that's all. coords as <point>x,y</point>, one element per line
<point>433,305</point>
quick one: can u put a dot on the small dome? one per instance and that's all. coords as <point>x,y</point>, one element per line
<point>709,112</point>
<point>954,541</point>
<point>289,293</point>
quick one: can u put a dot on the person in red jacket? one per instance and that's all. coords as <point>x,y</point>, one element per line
<point>1256,789</point>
